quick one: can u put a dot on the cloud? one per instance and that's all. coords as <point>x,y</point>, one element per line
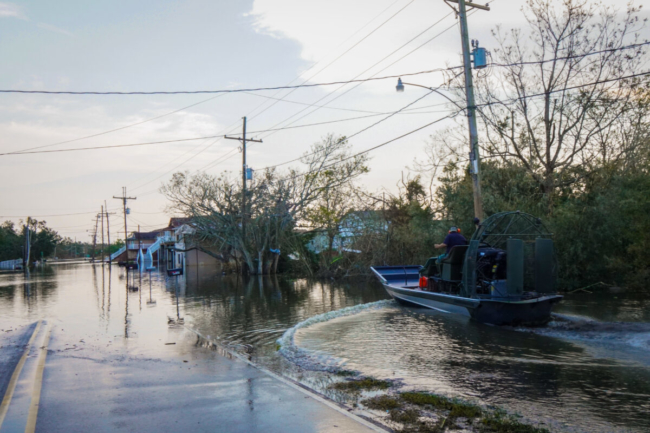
<point>52,28</point>
<point>11,10</point>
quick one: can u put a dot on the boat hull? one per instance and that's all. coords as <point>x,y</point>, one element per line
<point>529,312</point>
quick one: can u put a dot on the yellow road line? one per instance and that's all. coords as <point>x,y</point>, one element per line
<point>38,382</point>
<point>11,387</point>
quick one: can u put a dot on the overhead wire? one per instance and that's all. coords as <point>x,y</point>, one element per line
<point>335,108</point>
<point>449,116</point>
<point>44,216</point>
<point>224,91</point>
<point>340,56</point>
<point>226,157</point>
<point>363,72</point>
<point>122,127</point>
<point>431,90</point>
<point>388,66</point>
<point>73,149</point>
<point>312,76</point>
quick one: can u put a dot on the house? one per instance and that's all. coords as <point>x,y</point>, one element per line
<point>188,251</point>
<point>171,247</point>
<point>353,225</point>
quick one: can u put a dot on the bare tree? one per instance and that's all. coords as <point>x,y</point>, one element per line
<point>562,94</point>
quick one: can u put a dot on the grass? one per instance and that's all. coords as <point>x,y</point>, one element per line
<point>356,386</point>
<point>457,409</point>
<point>382,402</point>
<point>406,416</point>
<point>500,423</point>
<point>345,373</point>
<point>488,422</point>
<point>424,427</point>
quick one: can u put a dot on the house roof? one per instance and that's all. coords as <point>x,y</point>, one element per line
<point>177,222</point>
<point>144,236</point>
<point>364,214</point>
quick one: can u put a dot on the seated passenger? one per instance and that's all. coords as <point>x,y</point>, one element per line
<point>451,240</point>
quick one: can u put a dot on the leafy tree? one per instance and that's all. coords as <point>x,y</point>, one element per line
<point>275,203</point>
<point>10,242</point>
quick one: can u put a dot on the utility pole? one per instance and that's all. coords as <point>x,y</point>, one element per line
<point>26,248</point>
<point>124,198</point>
<point>474,158</point>
<point>95,237</point>
<point>243,177</point>
<point>108,232</point>
<point>102,253</point>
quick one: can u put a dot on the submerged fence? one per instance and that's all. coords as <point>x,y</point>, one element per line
<point>11,264</point>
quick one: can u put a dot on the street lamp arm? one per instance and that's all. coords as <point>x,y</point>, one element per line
<point>438,92</point>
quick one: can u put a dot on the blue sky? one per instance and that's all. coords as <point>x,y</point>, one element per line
<point>198,45</point>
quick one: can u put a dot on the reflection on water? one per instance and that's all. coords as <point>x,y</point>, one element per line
<point>579,371</point>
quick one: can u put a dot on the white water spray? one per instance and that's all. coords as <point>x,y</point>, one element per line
<point>311,360</point>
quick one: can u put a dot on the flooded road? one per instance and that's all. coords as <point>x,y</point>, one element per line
<point>588,371</point>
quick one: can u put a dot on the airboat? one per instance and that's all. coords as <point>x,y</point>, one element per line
<point>506,275</point>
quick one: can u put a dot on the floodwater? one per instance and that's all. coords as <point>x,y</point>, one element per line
<point>589,370</point>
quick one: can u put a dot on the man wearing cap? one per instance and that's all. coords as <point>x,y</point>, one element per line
<point>451,240</point>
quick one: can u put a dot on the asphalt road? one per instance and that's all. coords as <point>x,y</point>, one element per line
<point>93,385</point>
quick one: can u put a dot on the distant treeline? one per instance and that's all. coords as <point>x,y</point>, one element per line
<point>44,242</point>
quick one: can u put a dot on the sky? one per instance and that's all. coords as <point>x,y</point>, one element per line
<point>209,45</point>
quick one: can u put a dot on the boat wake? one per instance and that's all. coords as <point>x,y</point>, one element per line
<point>312,360</point>
<point>631,334</point>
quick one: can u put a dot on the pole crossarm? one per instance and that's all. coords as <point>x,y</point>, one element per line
<point>241,139</point>
<point>485,7</point>
<point>124,198</point>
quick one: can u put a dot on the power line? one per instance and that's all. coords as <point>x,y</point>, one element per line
<point>221,159</point>
<point>297,126</point>
<point>192,92</point>
<point>226,157</point>
<point>432,90</point>
<point>338,57</point>
<point>122,127</point>
<point>375,64</point>
<point>41,216</point>
<point>111,146</point>
<point>361,131</point>
<point>374,147</point>
<point>364,38</point>
<point>453,115</point>
<point>564,89</point>
<point>203,138</point>
<point>576,56</point>
<point>333,108</point>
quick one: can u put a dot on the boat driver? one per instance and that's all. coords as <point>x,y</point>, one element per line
<point>451,240</point>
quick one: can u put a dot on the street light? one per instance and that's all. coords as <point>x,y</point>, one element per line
<point>400,89</point>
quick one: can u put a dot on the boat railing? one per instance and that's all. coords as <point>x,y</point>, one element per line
<point>397,274</point>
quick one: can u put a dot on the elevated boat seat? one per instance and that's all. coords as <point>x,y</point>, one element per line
<point>452,264</point>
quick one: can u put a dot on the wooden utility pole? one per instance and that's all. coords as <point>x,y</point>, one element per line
<point>108,232</point>
<point>26,248</point>
<point>124,198</point>
<point>95,237</point>
<point>474,158</point>
<point>102,253</point>
<point>243,177</point>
